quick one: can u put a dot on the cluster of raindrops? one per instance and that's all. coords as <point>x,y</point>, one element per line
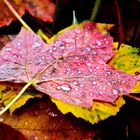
<point>72,68</point>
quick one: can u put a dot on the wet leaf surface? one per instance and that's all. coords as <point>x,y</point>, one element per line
<point>70,68</point>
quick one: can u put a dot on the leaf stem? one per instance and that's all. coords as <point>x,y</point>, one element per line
<point>17,15</point>
<point>40,32</point>
<point>17,97</point>
<point>95,10</point>
<point>133,97</point>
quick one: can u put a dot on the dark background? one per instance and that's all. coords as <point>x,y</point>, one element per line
<point>129,10</point>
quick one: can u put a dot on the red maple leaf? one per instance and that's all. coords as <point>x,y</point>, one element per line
<point>41,9</point>
<point>72,68</point>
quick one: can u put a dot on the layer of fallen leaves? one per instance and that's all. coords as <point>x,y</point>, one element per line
<point>71,68</point>
<point>8,91</point>
<point>40,120</point>
<point>100,110</point>
<point>41,9</point>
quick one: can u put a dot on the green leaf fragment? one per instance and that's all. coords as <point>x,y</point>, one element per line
<point>126,59</point>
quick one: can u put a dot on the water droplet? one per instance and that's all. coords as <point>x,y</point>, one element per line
<point>115,92</point>
<point>52,114</point>
<point>109,73</point>
<point>100,93</point>
<point>50,51</point>
<point>88,64</point>
<point>59,87</point>
<point>76,89</point>
<point>71,47</point>
<point>76,58</point>
<point>78,64</point>
<point>69,40</point>
<point>88,49</point>
<point>77,31</point>
<point>94,82</point>
<point>46,137</point>
<point>35,138</point>
<point>18,43</point>
<point>35,124</point>
<point>107,42</point>
<point>21,52</point>
<point>65,88</point>
<point>97,67</point>
<point>7,49</point>
<point>75,83</point>
<point>81,85</point>
<point>5,57</point>
<point>108,84</point>
<point>41,107</point>
<point>98,43</point>
<point>121,90</point>
<point>94,52</point>
<point>36,45</point>
<point>1,108</point>
<point>90,69</point>
<point>1,119</point>
<point>44,77</point>
<point>79,72</point>
<point>62,47</point>
<point>54,48</point>
<point>15,56</point>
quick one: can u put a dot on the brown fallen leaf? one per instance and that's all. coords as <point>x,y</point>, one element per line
<point>8,133</point>
<point>43,10</point>
<point>40,119</point>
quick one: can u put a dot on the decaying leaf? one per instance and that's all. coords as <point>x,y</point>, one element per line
<point>8,91</point>
<point>43,10</point>
<point>41,120</point>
